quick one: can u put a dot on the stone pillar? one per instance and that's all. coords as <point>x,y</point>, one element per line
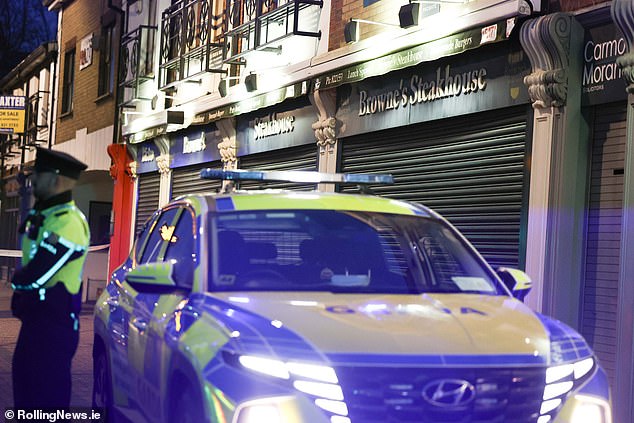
<point>228,147</point>
<point>326,132</point>
<point>623,16</point>
<point>163,163</point>
<point>123,176</point>
<point>558,167</point>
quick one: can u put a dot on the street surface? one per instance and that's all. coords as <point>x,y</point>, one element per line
<point>82,363</point>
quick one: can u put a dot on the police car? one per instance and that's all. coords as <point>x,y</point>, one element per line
<point>288,307</point>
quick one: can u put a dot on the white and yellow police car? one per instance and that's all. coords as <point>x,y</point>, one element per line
<point>290,307</point>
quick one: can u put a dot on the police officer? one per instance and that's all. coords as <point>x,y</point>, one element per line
<point>47,288</point>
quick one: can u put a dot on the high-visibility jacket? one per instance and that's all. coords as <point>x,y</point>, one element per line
<point>54,245</point>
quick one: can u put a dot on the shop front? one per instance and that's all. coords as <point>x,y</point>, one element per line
<point>278,138</point>
<point>454,134</point>
<point>604,102</point>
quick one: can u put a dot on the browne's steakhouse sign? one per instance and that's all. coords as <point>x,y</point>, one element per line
<point>418,89</point>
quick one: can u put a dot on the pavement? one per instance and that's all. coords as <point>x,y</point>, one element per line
<point>82,362</point>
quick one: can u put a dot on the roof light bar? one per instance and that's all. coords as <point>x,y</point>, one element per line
<point>297,176</point>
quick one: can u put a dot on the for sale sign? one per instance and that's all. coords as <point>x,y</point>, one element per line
<point>12,114</point>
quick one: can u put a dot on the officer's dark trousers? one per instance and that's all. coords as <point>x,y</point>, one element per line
<point>42,363</point>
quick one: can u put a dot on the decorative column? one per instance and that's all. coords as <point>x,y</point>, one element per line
<point>558,165</point>
<point>165,171</point>
<point>623,16</point>
<point>122,204</point>
<point>326,132</point>
<point>227,147</point>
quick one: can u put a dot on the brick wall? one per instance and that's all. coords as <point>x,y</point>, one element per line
<point>80,19</point>
<point>385,11</point>
<point>572,5</point>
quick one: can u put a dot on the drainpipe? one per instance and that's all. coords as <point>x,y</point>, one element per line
<point>115,132</point>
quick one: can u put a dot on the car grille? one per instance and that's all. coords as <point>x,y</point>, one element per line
<point>376,394</point>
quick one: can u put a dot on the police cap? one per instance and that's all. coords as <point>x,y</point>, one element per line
<point>47,160</point>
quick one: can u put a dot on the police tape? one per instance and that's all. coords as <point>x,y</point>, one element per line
<point>18,253</point>
<point>75,414</point>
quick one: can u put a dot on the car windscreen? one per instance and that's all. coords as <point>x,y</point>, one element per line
<point>341,251</point>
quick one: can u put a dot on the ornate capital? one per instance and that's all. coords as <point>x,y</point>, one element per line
<point>623,15</point>
<point>227,147</point>
<point>547,42</point>
<point>163,163</point>
<point>326,126</point>
<point>122,161</point>
<point>131,169</point>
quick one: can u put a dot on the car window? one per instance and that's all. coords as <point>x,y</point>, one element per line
<point>140,242</point>
<point>340,251</point>
<point>180,248</point>
<point>161,230</point>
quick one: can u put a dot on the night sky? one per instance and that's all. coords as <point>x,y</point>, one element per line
<point>24,25</point>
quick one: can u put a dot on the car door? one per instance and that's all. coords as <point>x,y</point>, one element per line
<point>120,308</point>
<point>172,240</point>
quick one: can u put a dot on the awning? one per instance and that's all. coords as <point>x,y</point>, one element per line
<point>253,103</point>
<point>427,52</point>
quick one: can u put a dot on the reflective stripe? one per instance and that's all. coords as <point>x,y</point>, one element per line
<point>72,248</point>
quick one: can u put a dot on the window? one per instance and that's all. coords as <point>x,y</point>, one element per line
<point>181,249</point>
<point>68,82</point>
<point>106,62</point>
<point>342,251</point>
<point>170,236</point>
<point>99,222</point>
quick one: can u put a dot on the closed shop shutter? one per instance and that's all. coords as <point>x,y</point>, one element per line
<point>303,157</point>
<point>147,198</point>
<point>603,238</point>
<point>187,180</point>
<point>470,169</point>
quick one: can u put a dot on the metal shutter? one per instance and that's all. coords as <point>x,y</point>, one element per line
<point>470,169</point>
<point>187,180</point>
<point>147,197</point>
<point>302,157</point>
<point>603,239</point>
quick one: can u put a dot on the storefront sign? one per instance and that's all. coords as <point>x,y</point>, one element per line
<point>85,52</point>
<point>254,103</point>
<point>195,146</point>
<point>147,153</point>
<point>602,78</point>
<point>150,133</point>
<point>418,90</point>
<point>488,79</point>
<point>275,128</point>
<point>453,44</point>
<point>12,114</point>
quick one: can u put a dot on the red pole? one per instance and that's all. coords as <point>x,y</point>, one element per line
<point>121,205</point>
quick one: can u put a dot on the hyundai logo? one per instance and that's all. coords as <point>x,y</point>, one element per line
<point>449,392</point>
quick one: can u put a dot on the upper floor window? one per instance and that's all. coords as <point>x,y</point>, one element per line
<point>68,82</point>
<point>106,62</point>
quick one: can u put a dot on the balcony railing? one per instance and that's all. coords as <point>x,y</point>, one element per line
<point>257,24</point>
<point>36,118</point>
<point>192,41</point>
<point>136,64</point>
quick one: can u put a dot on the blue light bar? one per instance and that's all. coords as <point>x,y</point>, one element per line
<point>297,176</point>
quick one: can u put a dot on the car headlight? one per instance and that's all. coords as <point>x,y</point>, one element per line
<point>591,410</point>
<point>560,381</point>
<point>318,382</point>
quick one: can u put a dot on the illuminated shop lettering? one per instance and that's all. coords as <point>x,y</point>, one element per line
<point>419,90</point>
<point>594,73</point>
<point>273,126</point>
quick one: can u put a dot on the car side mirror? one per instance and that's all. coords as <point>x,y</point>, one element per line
<point>152,277</point>
<point>518,282</point>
